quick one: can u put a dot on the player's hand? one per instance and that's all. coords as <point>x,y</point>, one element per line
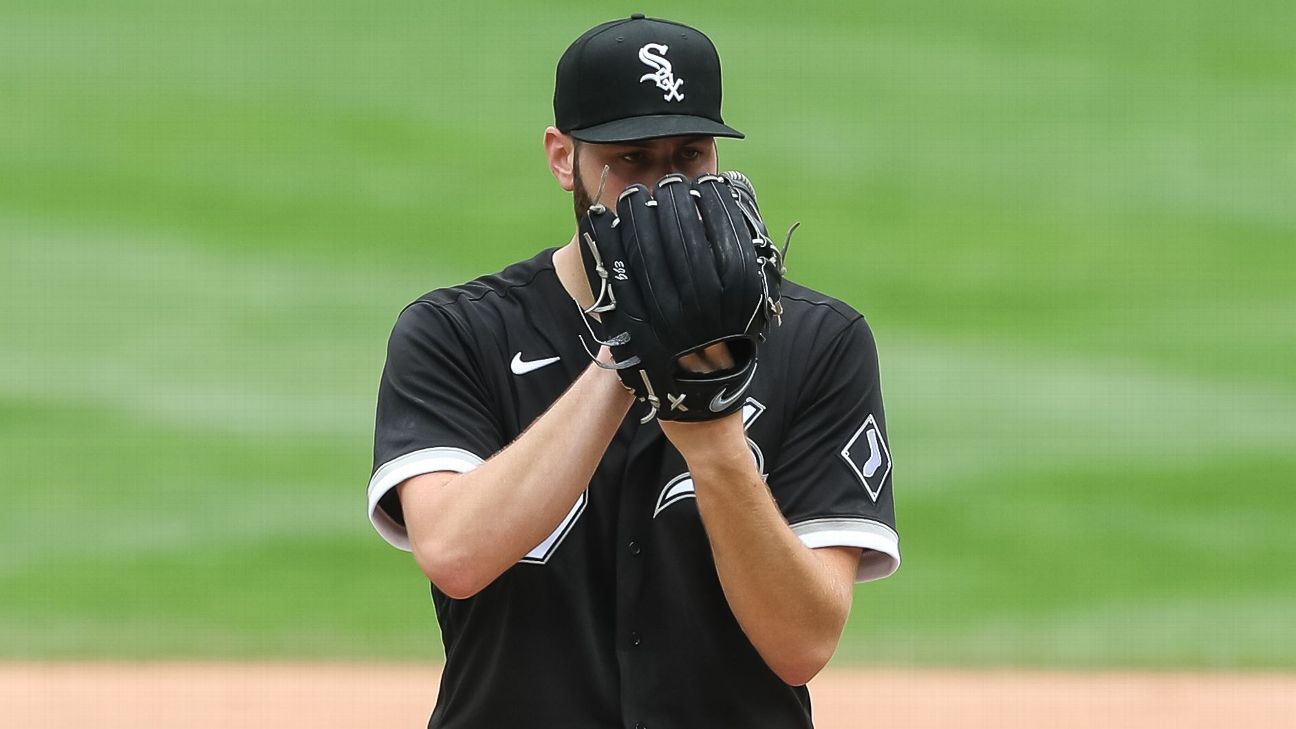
<point>605,356</point>
<point>712,359</point>
<point>707,445</point>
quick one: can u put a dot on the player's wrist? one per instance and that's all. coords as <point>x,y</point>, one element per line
<point>718,445</point>
<point>736,470</point>
<point>607,381</point>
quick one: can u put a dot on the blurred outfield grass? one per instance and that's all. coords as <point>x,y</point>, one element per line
<point>1070,224</point>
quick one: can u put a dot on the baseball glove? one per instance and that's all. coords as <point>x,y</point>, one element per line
<point>675,272</point>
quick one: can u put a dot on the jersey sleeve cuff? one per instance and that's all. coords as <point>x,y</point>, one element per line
<point>396,471</point>
<point>880,542</point>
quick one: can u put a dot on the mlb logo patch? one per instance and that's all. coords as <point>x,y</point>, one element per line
<point>867,455</point>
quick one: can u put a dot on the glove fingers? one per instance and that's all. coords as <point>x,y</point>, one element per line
<point>648,271</point>
<point>732,248</point>
<point>687,253</point>
<point>601,246</point>
<point>746,193</point>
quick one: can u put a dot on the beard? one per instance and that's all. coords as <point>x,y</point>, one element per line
<point>581,199</point>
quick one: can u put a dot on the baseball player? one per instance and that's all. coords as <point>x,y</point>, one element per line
<point>643,470</point>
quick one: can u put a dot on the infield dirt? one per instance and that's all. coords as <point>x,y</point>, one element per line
<point>335,695</point>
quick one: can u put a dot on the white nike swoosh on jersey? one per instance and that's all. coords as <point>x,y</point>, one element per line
<point>521,367</point>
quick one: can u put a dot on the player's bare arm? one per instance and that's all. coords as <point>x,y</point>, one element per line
<point>791,601</point>
<point>467,529</point>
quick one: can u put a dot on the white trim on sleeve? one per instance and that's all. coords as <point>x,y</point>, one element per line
<point>394,472</point>
<point>881,543</point>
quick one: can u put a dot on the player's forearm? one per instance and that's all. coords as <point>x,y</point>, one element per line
<point>789,602</point>
<point>468,530</point>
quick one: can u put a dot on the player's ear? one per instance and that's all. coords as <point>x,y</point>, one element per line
<point>560,149</point>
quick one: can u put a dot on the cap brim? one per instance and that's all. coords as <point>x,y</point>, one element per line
<point>654,127</point>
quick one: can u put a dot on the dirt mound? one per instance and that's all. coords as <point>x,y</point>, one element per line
<point>335,695</point>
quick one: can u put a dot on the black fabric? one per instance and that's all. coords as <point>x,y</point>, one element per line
<point>654,126</point>
<point>624,621</point>
<point>639,78</point>
<point>841,393</point>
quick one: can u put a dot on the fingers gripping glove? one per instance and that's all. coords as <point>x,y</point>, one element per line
<point>675,272</point>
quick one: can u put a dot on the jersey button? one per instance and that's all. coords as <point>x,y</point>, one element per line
<point>635,639</point>
<point>640,725</point>
<point>634,548</point>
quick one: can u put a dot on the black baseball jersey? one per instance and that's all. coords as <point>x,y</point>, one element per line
<point>617,620</point>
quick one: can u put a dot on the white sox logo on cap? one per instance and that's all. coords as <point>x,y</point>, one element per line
<point>653,56</point>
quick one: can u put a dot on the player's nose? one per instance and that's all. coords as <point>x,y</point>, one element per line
<point>651,176</point>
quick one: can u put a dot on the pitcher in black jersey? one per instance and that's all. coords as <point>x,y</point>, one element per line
<point>590,571</point>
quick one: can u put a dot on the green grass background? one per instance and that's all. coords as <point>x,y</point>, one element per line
<point>1070,224</point>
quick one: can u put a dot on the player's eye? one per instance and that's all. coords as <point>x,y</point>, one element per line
<point>634,158</point>
<point>689,154</point>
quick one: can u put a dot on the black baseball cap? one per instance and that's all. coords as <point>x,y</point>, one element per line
<point>639,78</point>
